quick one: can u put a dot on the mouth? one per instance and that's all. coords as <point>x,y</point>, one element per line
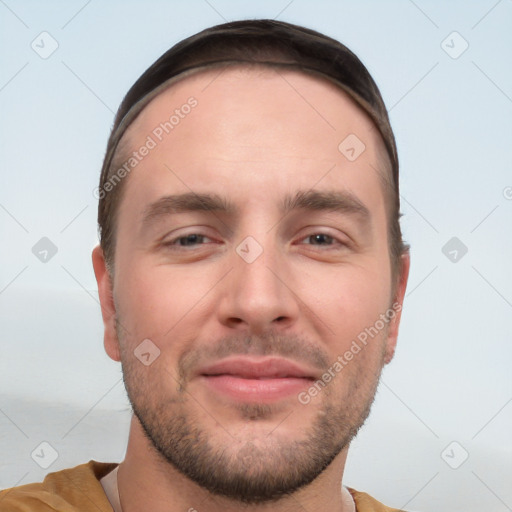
<point>256,380</point>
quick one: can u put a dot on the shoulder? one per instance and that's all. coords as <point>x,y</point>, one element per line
<point>74,489</point>
<point>365,503</point>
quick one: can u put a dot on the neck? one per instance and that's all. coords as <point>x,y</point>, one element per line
<point>147,482</point>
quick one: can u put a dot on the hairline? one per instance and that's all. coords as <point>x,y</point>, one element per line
<point>131,115</point>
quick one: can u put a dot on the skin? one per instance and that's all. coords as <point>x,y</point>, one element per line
<point>253,139</point>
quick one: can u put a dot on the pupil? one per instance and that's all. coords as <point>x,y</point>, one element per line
<point>321,237</point>
<point>189,238</point>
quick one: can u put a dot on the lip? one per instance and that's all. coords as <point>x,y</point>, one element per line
<point>256,380</point>
<point>262,368</point>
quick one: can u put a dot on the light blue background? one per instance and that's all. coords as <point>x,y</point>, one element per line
<point>451,378</point>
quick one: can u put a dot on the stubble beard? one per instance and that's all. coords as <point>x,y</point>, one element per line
<point>247,470</point>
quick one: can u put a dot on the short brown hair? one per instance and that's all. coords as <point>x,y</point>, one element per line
<point>248,42</point>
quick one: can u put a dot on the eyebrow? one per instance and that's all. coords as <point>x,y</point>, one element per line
<point>311,200</point>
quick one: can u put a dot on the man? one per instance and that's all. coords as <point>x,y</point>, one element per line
<point>251,273</point>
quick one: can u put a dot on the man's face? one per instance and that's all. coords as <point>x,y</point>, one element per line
<point>256,285</point>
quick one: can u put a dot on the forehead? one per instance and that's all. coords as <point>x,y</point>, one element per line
<point>252,124</point>
<point>322,107</point>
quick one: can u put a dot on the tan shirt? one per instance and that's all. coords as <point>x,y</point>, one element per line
<point>79,489</point>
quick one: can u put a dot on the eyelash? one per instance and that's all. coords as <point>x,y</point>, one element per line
<point>172,243</point>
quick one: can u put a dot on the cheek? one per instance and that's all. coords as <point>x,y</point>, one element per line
<point>158,302</point>
<point>348,300</point>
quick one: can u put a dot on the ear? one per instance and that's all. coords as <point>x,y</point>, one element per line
<point>398,300</point>
<point>108,309</point>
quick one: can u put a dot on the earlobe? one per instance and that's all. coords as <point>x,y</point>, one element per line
<point>108,310</point>
<point>396,307</point>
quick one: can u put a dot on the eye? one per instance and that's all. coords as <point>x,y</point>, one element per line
<point>323,239</point>
<point>189,240</point>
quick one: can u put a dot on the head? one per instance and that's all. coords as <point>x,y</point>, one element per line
<point>249,207</point>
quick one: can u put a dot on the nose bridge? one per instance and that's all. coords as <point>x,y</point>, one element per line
<point>253,264</point>
<point>256,296</point>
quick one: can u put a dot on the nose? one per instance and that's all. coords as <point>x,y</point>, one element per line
<point>258,296</point>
